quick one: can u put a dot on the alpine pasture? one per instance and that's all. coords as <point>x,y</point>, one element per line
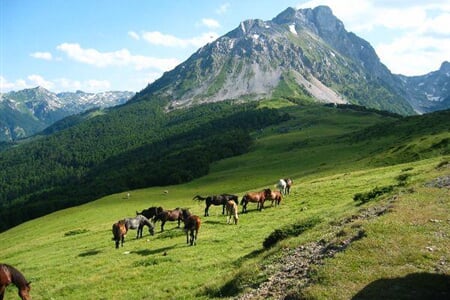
<point>70,254</point>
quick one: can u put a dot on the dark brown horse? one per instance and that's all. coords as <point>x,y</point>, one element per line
<point>276,197</point>
<point>8,275</point>
<point>176,214</point>
<point>191,227</point>
<point>150,212</point>
<point>119,231</point>
<point>255,197</point>
<point>217,200</point>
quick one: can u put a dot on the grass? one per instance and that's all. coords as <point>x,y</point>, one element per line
<point>69,254</point>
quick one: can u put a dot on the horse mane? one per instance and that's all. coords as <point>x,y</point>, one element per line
<point>16,277</point>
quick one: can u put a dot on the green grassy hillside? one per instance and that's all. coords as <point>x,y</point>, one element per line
<point>332,155</point>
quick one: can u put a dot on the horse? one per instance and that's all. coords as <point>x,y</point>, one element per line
<point>217,200</point>
<point>171,215</point>
<point>8,275</point>
<point>284,185</point>
<point>258,197</point>
<point>191,227</point>
<point>150,212</point>
<point>232,211</point>
<point>119,231</point>
<point>138,223</point>
<point>276,197</point>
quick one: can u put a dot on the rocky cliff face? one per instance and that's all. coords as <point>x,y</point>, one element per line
<point>429,92</point>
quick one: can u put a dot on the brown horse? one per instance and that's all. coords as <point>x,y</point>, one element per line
<point>119,231</point>
<point>258,197</point>
<point>232,212</point>
<point>191,227</point>
<point>276,197</point>
<point>8,275</point>
<point>176,214</point>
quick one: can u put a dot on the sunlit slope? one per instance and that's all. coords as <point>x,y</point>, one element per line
<point>70,255</point>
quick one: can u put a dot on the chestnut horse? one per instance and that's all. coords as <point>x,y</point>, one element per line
<point>8,275</point>
<point>258,197</point>
<point>232,212</point>
<point>191,227</point>
<point>119,231</point>
<point>217,200</point>
<point>176,214</point>
<point>276,197</point>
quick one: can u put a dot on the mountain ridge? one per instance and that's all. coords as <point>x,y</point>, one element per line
<point>305,53</point>
<point>28,111</point>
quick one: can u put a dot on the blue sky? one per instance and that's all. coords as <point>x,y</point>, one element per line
<point>99,45</point>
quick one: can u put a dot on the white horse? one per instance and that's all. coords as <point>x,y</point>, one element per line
<point>284,185</point>
<point>232,211</point>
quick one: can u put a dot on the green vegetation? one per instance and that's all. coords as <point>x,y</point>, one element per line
<point>331,154</point>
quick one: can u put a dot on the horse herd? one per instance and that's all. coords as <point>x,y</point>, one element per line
<point>149,217</point>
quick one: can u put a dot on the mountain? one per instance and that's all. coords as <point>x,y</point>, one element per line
<point>429,92</point>
<point>300,54</point>
<point>25,112</point>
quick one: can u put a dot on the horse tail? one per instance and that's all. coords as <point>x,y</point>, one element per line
<point>198,197</point>
<point>244,199</point>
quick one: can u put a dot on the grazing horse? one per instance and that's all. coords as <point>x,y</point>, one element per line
<point>170,215</point>
<point>232,212</point>
<point>284,185</point>
<point>258,197</point>
<point>275,196</point>
<point>8,275</point>
<point>217,200</point>
<point>119,231</point>
<point>150,212</point>
<point>138,223</point>
<point>191,226</point>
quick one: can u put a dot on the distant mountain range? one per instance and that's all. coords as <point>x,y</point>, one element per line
<point>26,112</point>
<point>301,54</point>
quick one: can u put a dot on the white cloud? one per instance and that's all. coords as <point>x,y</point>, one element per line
<point>223,8</point>
<point>134,35</point>
<point>167,40</point>
<point>42,55</point>
<point>121,57</point>
<point>210,23</point>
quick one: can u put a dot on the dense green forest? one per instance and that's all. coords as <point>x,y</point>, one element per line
<point>128,147</point>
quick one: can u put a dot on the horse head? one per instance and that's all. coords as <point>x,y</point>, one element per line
<point>24,292</point>
<point>267,193</point>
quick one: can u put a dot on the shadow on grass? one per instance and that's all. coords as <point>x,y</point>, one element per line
<point>412,286</point>
<point>89,253</point>
<point>147,252</point>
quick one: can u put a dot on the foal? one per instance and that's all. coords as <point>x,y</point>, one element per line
<point>8,275</point>
<point>232,211</point>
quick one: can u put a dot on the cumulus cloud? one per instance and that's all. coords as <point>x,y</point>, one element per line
<point>121,57</point>
<point>42,55</point>
<point>167,40</point>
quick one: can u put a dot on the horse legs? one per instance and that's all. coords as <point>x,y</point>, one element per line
<point>162,225</point>
<point>2,291</point>
<point>207,210</point>
<point>223,209</point>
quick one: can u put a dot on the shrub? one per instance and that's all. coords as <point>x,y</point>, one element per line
<point>376,192</point>
<point>287,231</point>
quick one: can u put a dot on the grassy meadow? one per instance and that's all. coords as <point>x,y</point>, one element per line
<point>69,254</point>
